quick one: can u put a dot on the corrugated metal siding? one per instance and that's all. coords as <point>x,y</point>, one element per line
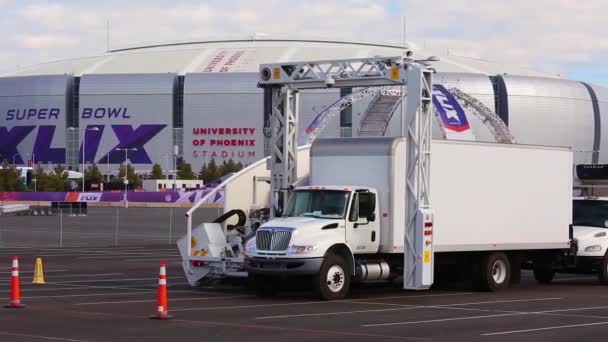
<point>148,62</point>
<point>545,111</point>
<point>602,98</point>
<point>44,85</point>
<point>130,84</point>
<point>222,83</point>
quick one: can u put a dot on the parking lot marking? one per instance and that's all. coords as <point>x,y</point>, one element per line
<point>109,294</point>
<point>503,301</point>
<point>40,337</point>
<point>107,280</point>
<point>409,307</point>
<point>573,309</point>
<point>337,313</point>
<point>305,330</point>
<point>441,320</point>
<point>310,303</point>
<point>172,287</point>
<point>150,301</point>
<point>451,306</point>
<point>544,329</point>
<point>83,275</point>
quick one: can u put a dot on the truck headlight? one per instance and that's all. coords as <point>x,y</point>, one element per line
<point>250,246</point>
<point>594,248</point>
<point>301,249</point>
<point>600,234</point>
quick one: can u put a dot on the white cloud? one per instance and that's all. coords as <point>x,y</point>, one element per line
<point>46,41</point>
<point>549,35</point>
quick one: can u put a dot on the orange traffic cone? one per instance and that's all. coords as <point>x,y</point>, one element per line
<point>162,309</point>
<point>15,302</point>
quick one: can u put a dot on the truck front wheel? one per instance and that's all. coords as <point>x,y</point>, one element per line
<point>495,272</point>
<point>333,280</point>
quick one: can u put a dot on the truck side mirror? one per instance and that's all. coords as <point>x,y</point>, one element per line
<point>371,217</point>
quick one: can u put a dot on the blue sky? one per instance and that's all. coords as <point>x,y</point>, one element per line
<point>554,36</point>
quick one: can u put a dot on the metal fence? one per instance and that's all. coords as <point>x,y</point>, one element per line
<point>99,226</point>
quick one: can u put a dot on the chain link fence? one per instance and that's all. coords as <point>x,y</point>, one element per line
<point>99,226</point>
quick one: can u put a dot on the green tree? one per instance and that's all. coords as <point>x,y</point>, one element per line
<point>157,172</point>
<point>134,180</point>
<point>41,181</point>
<point>59,178</point>
<point>185,171</point>
<point>210,172</point>
<point>230,167</point>
<point>10,178</point>
<point>92,173</point>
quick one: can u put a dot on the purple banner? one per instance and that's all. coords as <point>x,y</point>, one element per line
<point>190,197</point>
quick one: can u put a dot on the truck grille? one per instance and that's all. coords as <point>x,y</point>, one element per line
<point>272,239</point>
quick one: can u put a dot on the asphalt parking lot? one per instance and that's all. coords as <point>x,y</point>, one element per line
<point>107,294</point>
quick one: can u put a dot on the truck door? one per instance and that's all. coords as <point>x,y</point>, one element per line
<point>362,228</point>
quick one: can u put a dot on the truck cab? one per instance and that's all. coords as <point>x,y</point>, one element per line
<point>590,234</point>
<point>318,234</point>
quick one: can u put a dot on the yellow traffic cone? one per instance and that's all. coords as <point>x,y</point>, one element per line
<point>38,272</point>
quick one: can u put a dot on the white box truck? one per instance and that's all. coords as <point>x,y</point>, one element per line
<point>495,206</point>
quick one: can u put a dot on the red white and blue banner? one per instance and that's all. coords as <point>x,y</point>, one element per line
<point>190,197</point>
<point>452,115</point>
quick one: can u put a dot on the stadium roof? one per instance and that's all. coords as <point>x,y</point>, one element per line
<point>245,55</point>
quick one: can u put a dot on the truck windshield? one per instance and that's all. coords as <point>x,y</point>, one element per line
<point>591,213</point>
<point>329,204</point>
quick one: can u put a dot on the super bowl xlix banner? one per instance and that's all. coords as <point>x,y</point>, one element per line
<point>127,117</point>
<point>33,119</point>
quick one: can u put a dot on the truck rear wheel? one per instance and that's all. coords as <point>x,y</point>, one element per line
<point>602,271</point>
<point>266,286</point>
<point>333,280</point>
<point>495,272</point>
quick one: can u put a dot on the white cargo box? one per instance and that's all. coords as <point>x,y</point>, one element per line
<point>485,196</point>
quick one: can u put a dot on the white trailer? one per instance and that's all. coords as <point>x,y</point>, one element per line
<point>494,206</point>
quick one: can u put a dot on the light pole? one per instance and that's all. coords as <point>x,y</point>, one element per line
<point>108,167</point>
<point>126,181</point>
<point>14,155</point>
<point>35,181</point>
<point>84,139</point>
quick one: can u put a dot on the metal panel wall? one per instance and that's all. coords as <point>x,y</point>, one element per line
<point>128,111</point>
<point>553,112</point>
<point>223,118</point>
<point>602,101</point>
<point>33,118</point>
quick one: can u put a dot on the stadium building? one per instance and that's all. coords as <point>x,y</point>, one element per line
<point>200,101</point>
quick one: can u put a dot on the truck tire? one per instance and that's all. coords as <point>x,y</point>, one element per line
<point>333,280</point>
<point>543,273</point>
<point>495,272</point>
<point>602,271</point>
<point>266,286</point>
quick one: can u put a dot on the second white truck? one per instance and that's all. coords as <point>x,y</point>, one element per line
<point>495,206</point>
